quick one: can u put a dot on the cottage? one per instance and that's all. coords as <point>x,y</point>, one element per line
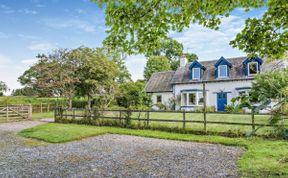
<point>225,79</point>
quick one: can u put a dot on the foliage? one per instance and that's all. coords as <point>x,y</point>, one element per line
<point>132,94</point>
<point>268,87</point>
<point>3,88</point>
<point>156,64</point>
<point>262,158</point>
<point>139,26</point>
<point>118,57</point>
<point>97,75</point>
<point>53,74</point>
<point>30,100</point>
<point>25,91</point>
<point>267,36</point>
<point>173,50</point>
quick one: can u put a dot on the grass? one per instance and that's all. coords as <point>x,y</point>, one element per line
<point>28,100</point>
<point>263,158</point>
<point>212,117</point>
<point>36,116</point>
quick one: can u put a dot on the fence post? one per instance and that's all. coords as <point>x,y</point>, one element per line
<point>204,109</point>
<point>73,112</point>
<point>30,111</point>
<point>253,118</point>
<point>48,107</point>
<point>41,108</point>
<point>7,110</point>
<point>148,117</point>
<point>184,119</point>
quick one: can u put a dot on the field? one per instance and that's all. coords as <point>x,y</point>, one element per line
<point>174,120</point>
<point>263,158</point>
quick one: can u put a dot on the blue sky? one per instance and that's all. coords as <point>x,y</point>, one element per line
<point>29,27</point>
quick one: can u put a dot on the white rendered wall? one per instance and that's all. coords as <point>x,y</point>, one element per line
<point>215,87</point>
<point>165,97</point>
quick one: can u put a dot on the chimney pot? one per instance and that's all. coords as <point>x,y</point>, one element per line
<point>183,61</point>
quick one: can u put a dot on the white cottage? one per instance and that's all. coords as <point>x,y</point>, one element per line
<point>225,79</point>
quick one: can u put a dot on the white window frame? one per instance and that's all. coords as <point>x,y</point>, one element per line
<point>249,68</point>
<point>193,71</point>
<point>187,98</point>
<point>226,73</point>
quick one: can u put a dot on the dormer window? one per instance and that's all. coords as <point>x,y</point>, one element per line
<point>223,67</point>
<point>253,68</point>
<point>196,74</point>
<point>196,71</point>
<point>222,71</point>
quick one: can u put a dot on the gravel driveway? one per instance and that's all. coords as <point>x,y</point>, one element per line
<point>113,156</point>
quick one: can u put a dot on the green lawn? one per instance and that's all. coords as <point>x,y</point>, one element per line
<point>36,116</point>
<point>212,117</point>
<point>263,158</point>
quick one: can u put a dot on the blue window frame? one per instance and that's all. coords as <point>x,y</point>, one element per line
<point>196,74</point>
<point>222,71</point>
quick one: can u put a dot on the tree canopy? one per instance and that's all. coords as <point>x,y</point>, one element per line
<point>156,64</point>
<point>3,88</point>
<point>139,26</point>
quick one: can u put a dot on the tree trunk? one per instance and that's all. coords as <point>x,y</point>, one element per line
<point>70,102</point>
<point>89,102</point>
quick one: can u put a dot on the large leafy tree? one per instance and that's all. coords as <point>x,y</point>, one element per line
<point>156,64</point>
<point>139,26</point>
<point>53,74</point>
<point>97,75</point>
<point>3,88</point>
<point>173,50</point>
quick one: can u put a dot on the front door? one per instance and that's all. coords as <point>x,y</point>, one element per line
<point>221,101</point>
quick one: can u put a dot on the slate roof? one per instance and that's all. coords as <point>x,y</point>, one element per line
<point>163,81</point>
<point>160,82</point>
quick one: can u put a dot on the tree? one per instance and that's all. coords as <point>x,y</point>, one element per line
<point>268,87</point>
<point>173,50</point>
<point>132,95</point>
<point>266,37</point>
<point>25,91</point>
<point>156,64</point>
<point>53,74</point>
<point>139,26</point>
<point>97,75</point>
<point>118,57</point>
<point>3,88</point>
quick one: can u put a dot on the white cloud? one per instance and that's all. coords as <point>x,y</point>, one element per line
<point>135,65</point>
<point>41,46</point>
<point>27,11</point>
<point>78,24</point>
<point>211,44</point>
<point>3,35</point>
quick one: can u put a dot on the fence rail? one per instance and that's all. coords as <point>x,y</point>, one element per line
<point>184,119</point>
<point>15,112</point>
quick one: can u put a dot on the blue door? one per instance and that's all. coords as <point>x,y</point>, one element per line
<point>221,101</point>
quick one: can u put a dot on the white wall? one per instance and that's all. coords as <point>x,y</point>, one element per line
<point>215,87</point>
<point>165,97</point>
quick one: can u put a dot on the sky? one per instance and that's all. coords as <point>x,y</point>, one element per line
<point>29,27</point>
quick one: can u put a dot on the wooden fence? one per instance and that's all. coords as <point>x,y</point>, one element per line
<point>176,118</point>
<point>43,107</point>
<point>15,112</point>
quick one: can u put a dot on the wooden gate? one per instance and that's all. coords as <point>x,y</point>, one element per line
<point>15,112</point>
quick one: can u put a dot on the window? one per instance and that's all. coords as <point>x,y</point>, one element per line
<point>192,98</point>
<point>184,99</point>
<point>196,73</point>
<point>200,98</point>
<point>252,68</point>
<point>159,99</point>
<point>222,71</point>
<point>243,92</point>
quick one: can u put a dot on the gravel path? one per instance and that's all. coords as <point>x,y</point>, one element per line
<point>114,156</point>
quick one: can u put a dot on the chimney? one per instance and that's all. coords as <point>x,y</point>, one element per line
<point>183,61</point>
